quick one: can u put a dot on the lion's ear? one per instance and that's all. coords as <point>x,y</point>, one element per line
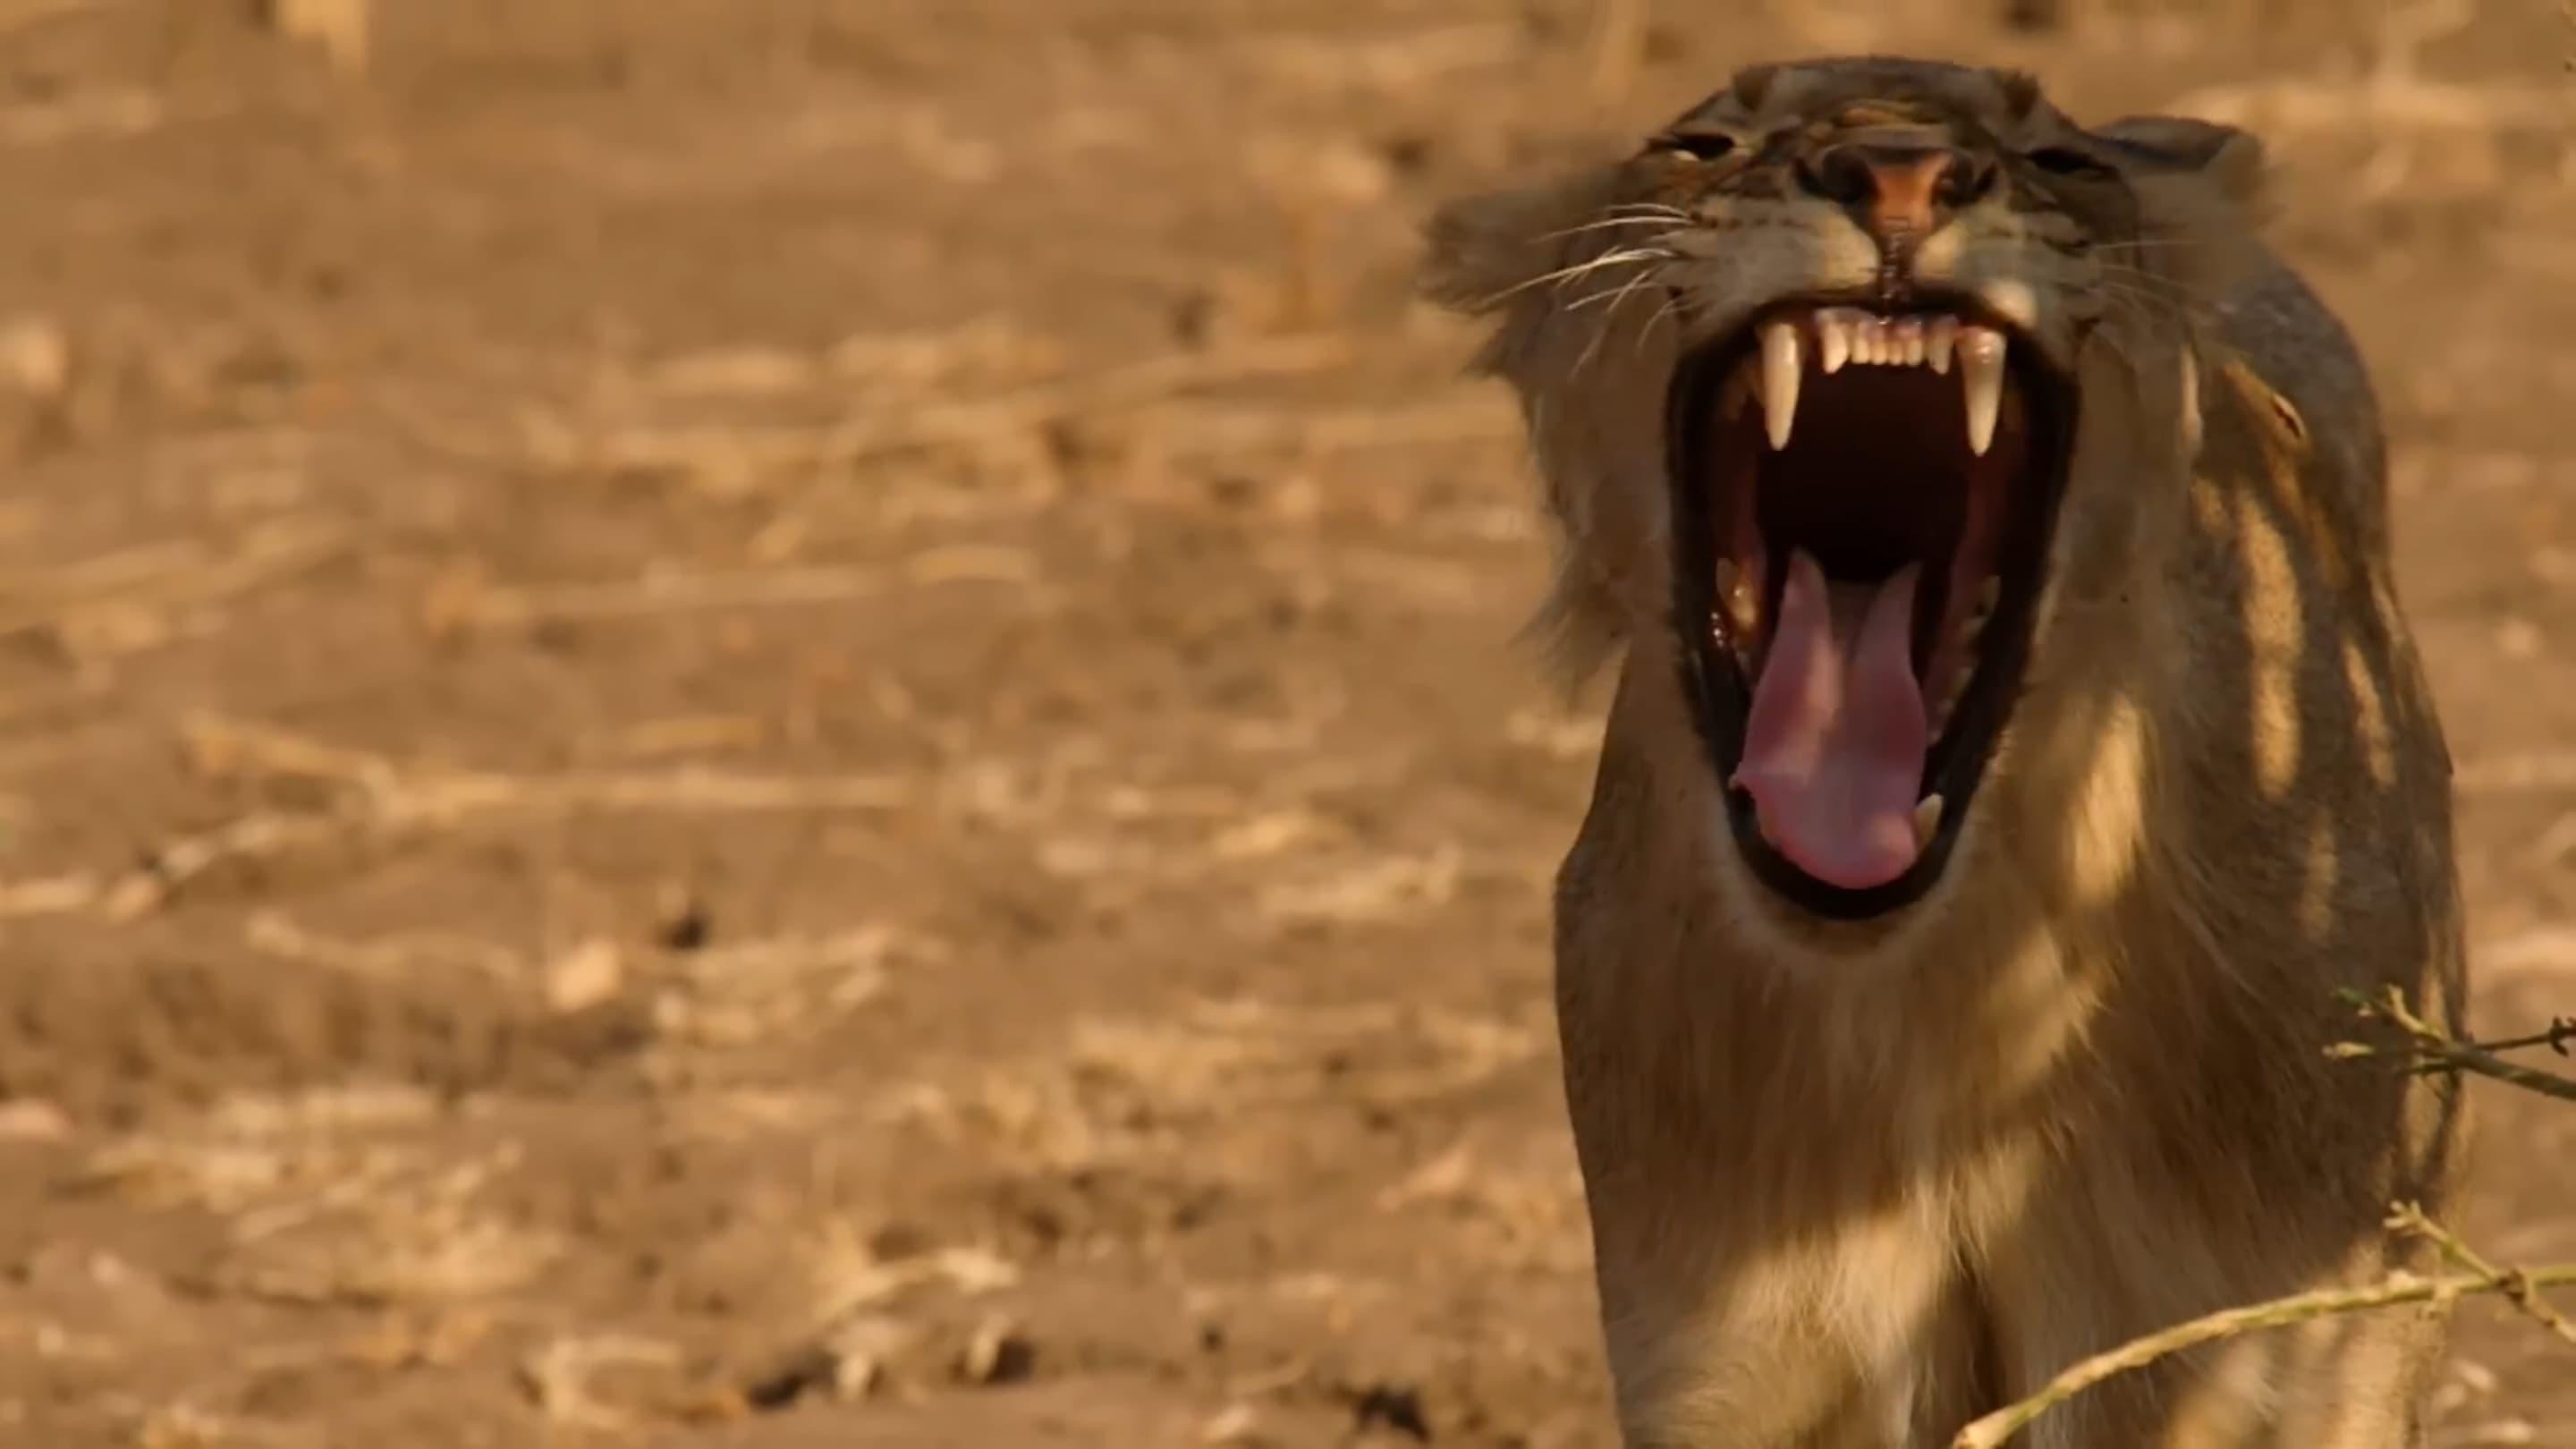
<point>1481,251</point>
<point>2220,156</point>
<point>2199,184</point>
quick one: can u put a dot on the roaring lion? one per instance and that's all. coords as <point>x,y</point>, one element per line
<point>2016,746</point>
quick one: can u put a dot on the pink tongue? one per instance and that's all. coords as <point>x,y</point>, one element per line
<point>1834,745</point>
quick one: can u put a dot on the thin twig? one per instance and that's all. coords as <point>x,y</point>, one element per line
<point>2432,1049</point>
<point>2398,1289</point>
<point>2560,1032</point>
<point>2513,1283</point>
<point>163,577</point>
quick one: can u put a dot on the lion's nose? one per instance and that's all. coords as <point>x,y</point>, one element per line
<point>1900,192</point>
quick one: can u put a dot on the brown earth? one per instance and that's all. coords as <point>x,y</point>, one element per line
<point>779,723</point>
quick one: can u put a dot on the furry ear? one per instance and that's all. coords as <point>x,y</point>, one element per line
<point>2222,156</point>
<point>1752,85</point>
<point>2196,182</point>
<point>1494,256</point>
<point>2021,92</point>
<point>1479,252</point>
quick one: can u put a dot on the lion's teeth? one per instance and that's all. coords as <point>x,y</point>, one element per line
<point>1927,819</point>
<point>1981,376</point>
<point>1906,337</point>
<point>1844,336</point>
<point>1833,340</point>
<point>1981,610</point>
<point>1781,367</point>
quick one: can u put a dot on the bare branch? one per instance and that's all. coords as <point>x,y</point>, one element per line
<point>1996,1428</point>
<point>2431,1049</point>
<point>2514,1283</point>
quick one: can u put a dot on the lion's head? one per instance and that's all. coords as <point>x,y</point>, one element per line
<point>1858,380</point>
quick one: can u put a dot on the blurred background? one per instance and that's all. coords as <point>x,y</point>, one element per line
<point>779,723</point>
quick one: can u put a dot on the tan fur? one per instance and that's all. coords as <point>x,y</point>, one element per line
<point>1852,1184</point>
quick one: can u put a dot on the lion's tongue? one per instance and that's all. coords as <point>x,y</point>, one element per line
<point>1834,745</point>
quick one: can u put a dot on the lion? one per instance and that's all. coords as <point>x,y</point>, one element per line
<point>2016,746</point>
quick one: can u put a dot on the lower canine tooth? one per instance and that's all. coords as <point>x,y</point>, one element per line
<point>1927,819</point>
<point>1781,368</point>
<point>1981,612</point>
<point>1735,595</point>
<point>1981,377</point>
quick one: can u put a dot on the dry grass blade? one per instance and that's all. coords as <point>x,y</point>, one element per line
<point>1231,431</point>
<point>735,453</point>
<point>558,1377</point>
<point>385,795</point>
<point>663,594</point>
<point>161,577</point>
<point>51,896</point>
<point>392,958</point>
<point>400,793</point>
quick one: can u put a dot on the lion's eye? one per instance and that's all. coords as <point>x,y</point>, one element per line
<point>2067,161</point>
<point>1701,145</point>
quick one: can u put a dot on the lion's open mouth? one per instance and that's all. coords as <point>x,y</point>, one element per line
<point>1865,501</point>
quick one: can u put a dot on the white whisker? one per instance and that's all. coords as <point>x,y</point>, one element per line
<point>1611,224</point>
<point>1563,275</point>
<point>1671,308</point>
<point>1602,333</point>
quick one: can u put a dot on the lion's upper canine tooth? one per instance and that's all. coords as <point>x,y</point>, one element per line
<point>1981,377</point>
<point>1927,818</point>
<point>1781,366</point>
<point>1938,340</point>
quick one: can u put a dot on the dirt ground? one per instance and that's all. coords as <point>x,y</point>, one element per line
<point>775,723</point>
